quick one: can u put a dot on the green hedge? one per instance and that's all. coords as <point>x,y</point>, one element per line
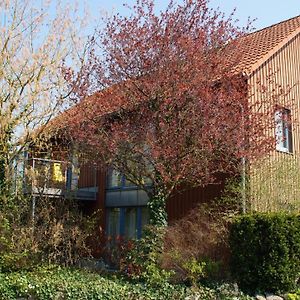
<point>266,251</point>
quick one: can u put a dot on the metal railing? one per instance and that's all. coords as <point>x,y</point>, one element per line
<point>57,178</point>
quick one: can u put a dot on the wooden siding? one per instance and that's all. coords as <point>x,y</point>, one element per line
<point>275,180</point>
<point>181,203</point>
<point>88,176</point>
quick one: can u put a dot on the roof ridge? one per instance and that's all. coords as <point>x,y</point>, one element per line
<point>258,46</point>
<point>273,25</point>
<point>291,36</point>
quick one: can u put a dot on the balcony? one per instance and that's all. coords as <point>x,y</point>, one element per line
<point>55,178</point>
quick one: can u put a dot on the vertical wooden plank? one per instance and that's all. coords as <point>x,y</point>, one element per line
<point>281,191</point>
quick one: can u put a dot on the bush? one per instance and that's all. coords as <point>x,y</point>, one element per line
<point>266,251</point>
<point>203,252</point>
<point>142,259</point>
<point>50,283</point>
<point>65,283</point>
<point>294,296</point>
<point>59,233</point>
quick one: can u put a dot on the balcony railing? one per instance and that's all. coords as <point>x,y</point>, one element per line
<point>57,178</point>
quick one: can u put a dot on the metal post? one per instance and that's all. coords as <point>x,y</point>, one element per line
<point>33,210</point>
<point>33,199</point>
<point>244,185</point>
<point>244,196</point>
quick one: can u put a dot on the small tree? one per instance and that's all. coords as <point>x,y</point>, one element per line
<point>169,108</point>
<point>35,44</point>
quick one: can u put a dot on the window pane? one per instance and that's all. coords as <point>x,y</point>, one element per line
<point>128,183</point>
<point>114,179</point>
<point>278,129</point>
<point>287,127</point>
<point>285,135</point>
<point>145,217</point>
<point>114,222</point>
<point>131,223</point>
<point>283,130</point>
<point>290,138</point>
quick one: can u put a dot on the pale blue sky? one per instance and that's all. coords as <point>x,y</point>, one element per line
<point>267,12</point>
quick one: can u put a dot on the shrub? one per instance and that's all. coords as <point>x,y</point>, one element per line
<point>65,283</point>
<point>293,296</point>
<point>67,231</point>
<point>196,246</point>
<point>266,251</point>
<point>59,233</point>
<point>142,260</point>
<point>52,282</point>
<point>17,250</point>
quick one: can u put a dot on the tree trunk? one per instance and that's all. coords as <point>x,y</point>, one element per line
<point>157,208</point>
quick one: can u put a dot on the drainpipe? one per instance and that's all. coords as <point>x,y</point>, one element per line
<point>243,185</point>
<point>243,173</point>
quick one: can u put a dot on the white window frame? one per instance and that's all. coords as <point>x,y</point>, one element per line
<point>283,130</point>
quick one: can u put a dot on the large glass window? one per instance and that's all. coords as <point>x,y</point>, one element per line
<point>128,183</point>
<point>113,229</point>
<point>130,231</point>
<point>114,179</point>
<point>127,221</point>
<point>144,216</point>
<point>117,180</point>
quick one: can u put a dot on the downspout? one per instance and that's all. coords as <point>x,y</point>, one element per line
<point>243,160</point>
<point>243,173</point>
<point>244,200</point>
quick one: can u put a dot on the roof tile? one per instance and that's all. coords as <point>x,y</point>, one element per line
<point>255,46</point>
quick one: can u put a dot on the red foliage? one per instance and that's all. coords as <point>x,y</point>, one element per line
<point>168,106</point>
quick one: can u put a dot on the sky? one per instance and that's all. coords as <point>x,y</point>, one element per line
<point>266,12</point>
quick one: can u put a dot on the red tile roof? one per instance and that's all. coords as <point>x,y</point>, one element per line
<point>252,51</point>
<point>255,48</point>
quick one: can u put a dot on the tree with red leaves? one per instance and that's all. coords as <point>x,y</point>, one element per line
<point>169,107</point>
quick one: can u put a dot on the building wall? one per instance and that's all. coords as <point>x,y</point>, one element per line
<point>275,180</point>
<point>183,202</point>
<point>177,206</point>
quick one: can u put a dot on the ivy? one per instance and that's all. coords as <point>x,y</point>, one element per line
<point>157,208</point>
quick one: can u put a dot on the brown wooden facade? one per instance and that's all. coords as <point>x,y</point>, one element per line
<point>271,58</point>
<point>274,182</point>
<point>177,206</point>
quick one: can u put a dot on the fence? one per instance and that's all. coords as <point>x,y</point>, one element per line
<point>55,178</point>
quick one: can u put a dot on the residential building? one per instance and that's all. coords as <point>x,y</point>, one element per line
<point>274,183</point>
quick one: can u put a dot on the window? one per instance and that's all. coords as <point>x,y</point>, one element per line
<point>283,130</point>
<point>127,222</point>
<point>127,183</point>
<point>130,230</point>
<point>113,228</point>
<point>145,218</point>
<point>116,180</point>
